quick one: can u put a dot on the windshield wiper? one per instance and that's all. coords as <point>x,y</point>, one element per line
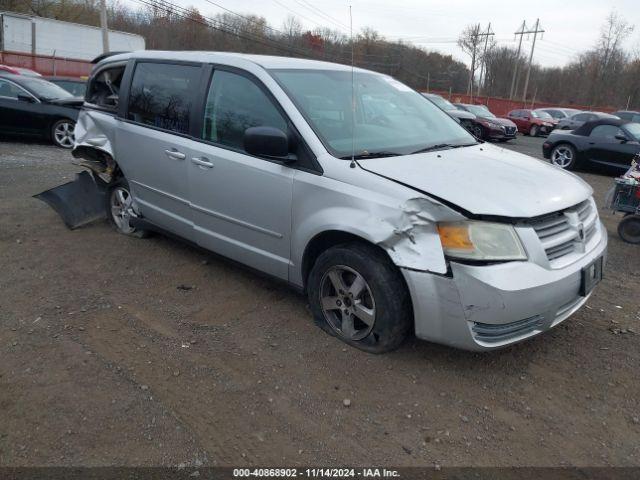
<point>363,156</point>
<point>442,146</point>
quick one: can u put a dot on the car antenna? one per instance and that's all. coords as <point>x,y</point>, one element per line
<point>353,98</point>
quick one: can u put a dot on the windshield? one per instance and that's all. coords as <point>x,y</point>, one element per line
<point>480,111</point>
<point>44,89</point>
<point>390,118</point>
<point>541,114</point>
<point>634,130</point>
<point>443,103</point>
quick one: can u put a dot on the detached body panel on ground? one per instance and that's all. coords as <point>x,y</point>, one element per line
<point>394,235</point>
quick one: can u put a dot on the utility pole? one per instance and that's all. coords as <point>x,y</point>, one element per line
<point>486,36</point>
<point>476,32</point>
<point>103,25</point>
<point>536,30</point>
<point>515,69</point>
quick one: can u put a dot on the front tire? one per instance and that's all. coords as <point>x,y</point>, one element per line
<point>358,295</point>
<point>62,133</point>
<point>534,131</point>
<point>629,229</point>
<point>477,131</point>
<point>120,209</point>
<point>564,155</point>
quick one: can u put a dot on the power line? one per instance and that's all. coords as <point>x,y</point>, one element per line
<point>322,14</point>
<point>517,63</point>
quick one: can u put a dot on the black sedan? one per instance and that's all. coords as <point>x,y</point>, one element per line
<point>608,142</point>
<point>37,108</point>
<point>75,86</point>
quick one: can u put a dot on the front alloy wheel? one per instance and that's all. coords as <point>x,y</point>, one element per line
<point>534,131</point>
<point>347,302</point>
<point>62,133</point>
<point>563,156</point>
<point>358,295</point>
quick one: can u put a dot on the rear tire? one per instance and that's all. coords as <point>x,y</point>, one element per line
<point>358,295</point>
<point>629,229</point>
<point>120,207</point>
<point>62,133</point>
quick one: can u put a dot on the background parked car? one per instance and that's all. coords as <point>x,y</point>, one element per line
<point>18,71</point>
<point>580,118</point>
<point>487,125</point>
<point>75,86</point>
<point>532,122</point>
<point>609,141</point>
<point>466,119</point>
<point>559,113</point>
<point>35,107</point>
<point>628,115</point>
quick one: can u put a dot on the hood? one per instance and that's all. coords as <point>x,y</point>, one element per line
<point>500,121</point>
<point>68,102</point>
<point>486,180</point>
<point>461,114</point>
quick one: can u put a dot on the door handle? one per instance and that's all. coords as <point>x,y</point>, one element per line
<point>175,154</point>
<point>202,162</point>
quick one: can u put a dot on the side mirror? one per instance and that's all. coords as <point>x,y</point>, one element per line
<point>622,137</point>
<point>267,142</point>
<point>25,98</point>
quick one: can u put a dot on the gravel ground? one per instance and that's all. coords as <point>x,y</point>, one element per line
<point>120,351</point>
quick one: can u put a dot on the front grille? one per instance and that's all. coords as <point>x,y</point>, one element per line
<point>491,333</point>
<point>568,231</point>
<point>510,130</point>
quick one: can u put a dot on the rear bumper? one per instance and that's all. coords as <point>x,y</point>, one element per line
<point>489,307</point>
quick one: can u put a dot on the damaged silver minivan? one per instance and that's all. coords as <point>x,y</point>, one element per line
<point>348,185</point>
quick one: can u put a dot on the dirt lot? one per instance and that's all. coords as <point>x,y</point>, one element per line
<point>118,351</point>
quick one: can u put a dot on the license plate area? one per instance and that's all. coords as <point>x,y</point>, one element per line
<point>591,276</point>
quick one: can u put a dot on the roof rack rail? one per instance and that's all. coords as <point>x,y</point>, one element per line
<point>99,58</point>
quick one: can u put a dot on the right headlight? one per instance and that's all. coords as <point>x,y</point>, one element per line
<point>477,240</point>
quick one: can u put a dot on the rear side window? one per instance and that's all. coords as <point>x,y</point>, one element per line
<point>235,103</point>
<point>104,88</point>
<point>162,95</point>
<point>9,90</point>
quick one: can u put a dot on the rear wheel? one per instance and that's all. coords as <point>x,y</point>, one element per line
<point>120,209</point>
<point>534,130</point>
<point>629,229</point>
<point>62,133</point>
<point>564,156</point>
<point>358,295</point>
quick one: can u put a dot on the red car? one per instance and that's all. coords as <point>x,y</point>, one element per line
<point>533,122</point>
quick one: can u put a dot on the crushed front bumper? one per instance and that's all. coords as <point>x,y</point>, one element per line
<point>492,306</point>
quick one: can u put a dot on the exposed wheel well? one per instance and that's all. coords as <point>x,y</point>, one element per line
<point>99,162</point>
<point>325,240</point>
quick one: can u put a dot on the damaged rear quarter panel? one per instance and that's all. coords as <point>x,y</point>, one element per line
<point>96,129</point>
<point>400,220</point>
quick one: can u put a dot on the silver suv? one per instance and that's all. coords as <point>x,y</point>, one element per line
<point>349,186</point>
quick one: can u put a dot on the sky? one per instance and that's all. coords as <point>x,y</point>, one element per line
<point>571,26</point>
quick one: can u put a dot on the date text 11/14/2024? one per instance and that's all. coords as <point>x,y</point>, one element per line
<point>315,472</point>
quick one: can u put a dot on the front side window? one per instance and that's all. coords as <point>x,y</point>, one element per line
<point>9,90</point>
<point>633,130</point>
<point>606,132</point>
<point>162,95</point>
<point>390,118</point>
<point>234,104</point>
